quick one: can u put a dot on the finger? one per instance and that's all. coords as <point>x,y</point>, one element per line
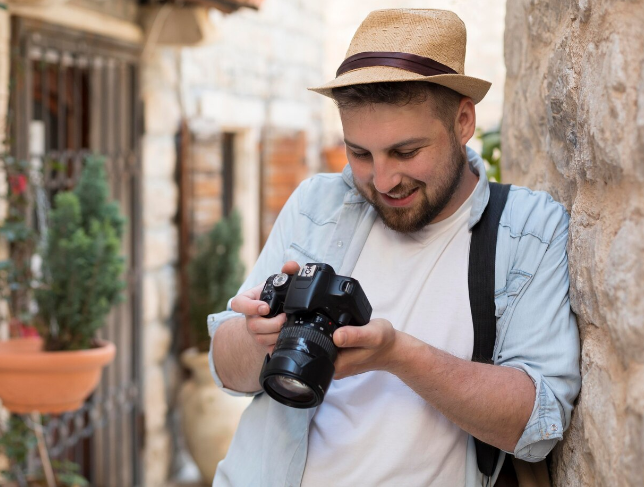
<point>350,336</point>
<point>373,335</point>
<point>266,340</point>
<point>260,325</point>
<point>249,303</point>
<point>290,267</point>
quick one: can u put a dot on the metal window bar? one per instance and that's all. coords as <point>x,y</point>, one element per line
<point>83,91</point>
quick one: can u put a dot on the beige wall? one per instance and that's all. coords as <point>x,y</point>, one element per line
<point>484,21</point>
<point>574,125</point>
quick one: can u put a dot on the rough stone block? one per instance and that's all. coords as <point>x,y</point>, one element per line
<point>159,156</point>
<point>155,403</point>
<point>162,113</point>
<point>161,69</point>
<point>5,27</point>
<point>625,290</point>
<point>157,339</point>
<point>166,282</point>
<point>160,246</point>
<point>157,458</point>
<point>150,297</point>
<point>4,69</point>
<point>634,429</point>
<point>160,201</point>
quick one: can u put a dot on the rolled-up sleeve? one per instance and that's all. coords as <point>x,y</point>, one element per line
<point>270,261</point>
<point>214,321</point>
<point>541,338</point>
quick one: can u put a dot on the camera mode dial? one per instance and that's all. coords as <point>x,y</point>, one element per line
<point>274,293</point>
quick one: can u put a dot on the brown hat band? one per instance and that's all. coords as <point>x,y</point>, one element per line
<point>410,62</point>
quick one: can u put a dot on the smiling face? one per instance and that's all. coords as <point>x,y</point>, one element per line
<point>407,163</point>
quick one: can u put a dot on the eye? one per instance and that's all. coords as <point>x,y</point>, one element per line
<point>363,155</point>
<point>406,155</point>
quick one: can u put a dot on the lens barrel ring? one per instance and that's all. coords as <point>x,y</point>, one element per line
<point>309,334</point>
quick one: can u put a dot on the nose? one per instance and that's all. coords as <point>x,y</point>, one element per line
<point>385,175</point>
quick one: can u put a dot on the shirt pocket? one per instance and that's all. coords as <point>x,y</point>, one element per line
<point>504,297</point>
<point>299,254</point>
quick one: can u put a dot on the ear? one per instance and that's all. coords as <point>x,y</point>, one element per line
<point>465,120</point>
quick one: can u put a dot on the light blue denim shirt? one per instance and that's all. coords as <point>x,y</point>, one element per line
<point>326,220</point>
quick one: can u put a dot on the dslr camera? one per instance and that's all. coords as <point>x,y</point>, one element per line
<point>316,302</point>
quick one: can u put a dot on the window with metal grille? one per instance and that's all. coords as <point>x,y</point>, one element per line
<point>74,94</point>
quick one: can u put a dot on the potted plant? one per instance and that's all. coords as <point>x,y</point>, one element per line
<point>209,416</point>
<point>17,440</point>
<point>80,281</point>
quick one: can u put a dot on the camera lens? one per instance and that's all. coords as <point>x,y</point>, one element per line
<point>290,388</point>
<point>299,372</point>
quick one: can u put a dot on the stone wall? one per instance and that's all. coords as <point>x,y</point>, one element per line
<point>160,202</point>
<point>574,125</point>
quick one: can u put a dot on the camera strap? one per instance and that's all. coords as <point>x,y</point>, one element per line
<point>481,290</point>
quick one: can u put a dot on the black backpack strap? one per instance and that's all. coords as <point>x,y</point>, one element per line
<point>481,288</point>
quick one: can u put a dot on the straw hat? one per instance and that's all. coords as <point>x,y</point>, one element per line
<point>408,45</point>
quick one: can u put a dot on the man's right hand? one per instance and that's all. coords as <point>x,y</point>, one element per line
<point>240,344</point>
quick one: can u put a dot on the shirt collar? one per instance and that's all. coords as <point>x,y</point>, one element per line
<point>481,191</point>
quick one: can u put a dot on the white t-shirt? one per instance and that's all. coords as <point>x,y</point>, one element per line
<point>372,429</point>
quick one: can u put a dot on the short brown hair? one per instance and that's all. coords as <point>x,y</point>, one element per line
<point>444,100</point>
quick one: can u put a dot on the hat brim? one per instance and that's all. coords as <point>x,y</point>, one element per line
<point>471,87</point>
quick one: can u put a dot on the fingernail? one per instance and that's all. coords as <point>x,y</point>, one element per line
<point>264,309</point>
<point>340,338</point>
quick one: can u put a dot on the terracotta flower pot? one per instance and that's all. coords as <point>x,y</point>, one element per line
<point>49,381</point>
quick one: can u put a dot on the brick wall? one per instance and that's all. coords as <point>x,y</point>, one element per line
<point>206,183</point>
<point>284,167</point>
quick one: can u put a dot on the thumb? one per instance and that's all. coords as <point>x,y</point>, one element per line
<point>290,267</point>
<point>347,336</point>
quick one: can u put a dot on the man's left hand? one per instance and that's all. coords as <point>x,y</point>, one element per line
<point>367,348</point>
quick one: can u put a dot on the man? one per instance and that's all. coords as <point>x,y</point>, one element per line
<point>407,400</point>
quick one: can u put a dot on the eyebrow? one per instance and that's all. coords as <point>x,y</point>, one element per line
<point>413,140</point>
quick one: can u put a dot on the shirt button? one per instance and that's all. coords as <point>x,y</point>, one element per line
<point>340,243</point>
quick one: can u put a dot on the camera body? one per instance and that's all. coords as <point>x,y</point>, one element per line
<point>317,288</point>
<point>316,302</point>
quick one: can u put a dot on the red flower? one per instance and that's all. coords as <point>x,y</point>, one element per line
<point>20,329</point>
<point>18,184</point>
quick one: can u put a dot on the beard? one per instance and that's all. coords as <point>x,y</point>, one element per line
<point>430,204</point>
